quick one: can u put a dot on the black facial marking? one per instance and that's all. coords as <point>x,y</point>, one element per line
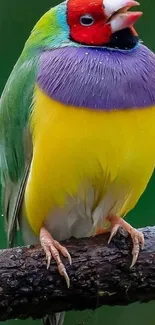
<point>123,40</point>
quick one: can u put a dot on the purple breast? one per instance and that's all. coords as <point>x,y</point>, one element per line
<point>99,78</point>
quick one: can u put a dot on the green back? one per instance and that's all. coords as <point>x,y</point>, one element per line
<point>15,106</point>
<point>15,138</point>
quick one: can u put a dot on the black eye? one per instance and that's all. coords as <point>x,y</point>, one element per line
<point>87,20</point>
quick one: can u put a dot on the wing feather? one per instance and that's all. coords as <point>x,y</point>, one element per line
<point>15,140</point>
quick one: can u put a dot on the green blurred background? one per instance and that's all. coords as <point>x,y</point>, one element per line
<point>17,17</point>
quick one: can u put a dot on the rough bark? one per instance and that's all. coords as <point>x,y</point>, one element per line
<point>100,275</point>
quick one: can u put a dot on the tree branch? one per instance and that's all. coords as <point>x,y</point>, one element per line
<point>100,275</point>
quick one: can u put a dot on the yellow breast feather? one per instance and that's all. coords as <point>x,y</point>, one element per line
<point>74,147</point>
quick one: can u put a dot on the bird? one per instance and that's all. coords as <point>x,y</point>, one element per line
<point>77,133</point>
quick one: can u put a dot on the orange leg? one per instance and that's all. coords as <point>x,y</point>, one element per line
<point>137,236</point>
<point>52,248</point>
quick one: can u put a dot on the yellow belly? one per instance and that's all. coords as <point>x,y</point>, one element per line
<point>77,149</point>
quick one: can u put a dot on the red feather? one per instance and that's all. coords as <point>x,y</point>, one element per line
<point>96,34</point>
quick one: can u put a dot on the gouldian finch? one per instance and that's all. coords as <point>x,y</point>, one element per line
<point>77,127</point>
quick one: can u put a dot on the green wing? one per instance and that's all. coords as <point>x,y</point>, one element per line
<point>15,109</point>
<point>15,139</point>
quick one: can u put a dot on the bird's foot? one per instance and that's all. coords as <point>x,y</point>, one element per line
<point>52,248</point>
<point>137,236</point>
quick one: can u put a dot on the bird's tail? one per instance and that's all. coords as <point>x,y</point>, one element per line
<point>54,319</point>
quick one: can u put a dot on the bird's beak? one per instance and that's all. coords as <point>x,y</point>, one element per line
<point>117,14</point>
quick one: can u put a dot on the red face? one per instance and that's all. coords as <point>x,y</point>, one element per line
<point>87,20</point>
<point>92,22</point>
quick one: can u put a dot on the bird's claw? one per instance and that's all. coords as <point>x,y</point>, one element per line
<point>52,248</point>
<point>137,236</point>
<point>137,239</point>
<point>113,232</point>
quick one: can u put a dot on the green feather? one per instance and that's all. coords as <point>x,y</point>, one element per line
<point>15,138</point>
<point>16,104</point>
<point>15,107</point>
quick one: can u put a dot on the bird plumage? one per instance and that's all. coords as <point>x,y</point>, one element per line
<point>77,124</point>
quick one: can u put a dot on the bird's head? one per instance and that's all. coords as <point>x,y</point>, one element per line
<point>87,23</point>
<point>95,22</point>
